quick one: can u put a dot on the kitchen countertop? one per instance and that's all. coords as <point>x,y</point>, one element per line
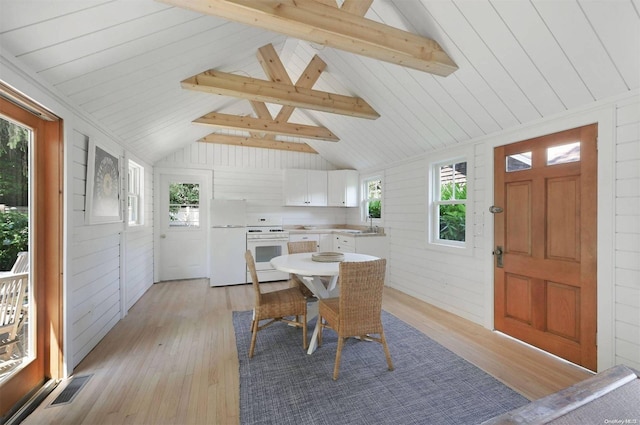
<point>337,231</point>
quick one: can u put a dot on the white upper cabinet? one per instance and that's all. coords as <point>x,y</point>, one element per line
<point>305,188</point>
<point>343,188</point>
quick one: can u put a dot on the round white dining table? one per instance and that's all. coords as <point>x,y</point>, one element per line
<point>310,273</point>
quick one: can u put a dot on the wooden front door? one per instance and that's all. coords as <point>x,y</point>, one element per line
<point>545,243</point>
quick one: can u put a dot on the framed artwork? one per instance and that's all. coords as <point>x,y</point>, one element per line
<point>103,186</point>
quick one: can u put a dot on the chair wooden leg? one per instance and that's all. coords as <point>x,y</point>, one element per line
<point>304,331</point>
<point>320,330</point>
<point>336,367</point>
<point>386,350</point>
<point>254,335</point>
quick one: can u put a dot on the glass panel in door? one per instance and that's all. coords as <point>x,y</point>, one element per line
<point>16,331</point>
<point>31,183</point>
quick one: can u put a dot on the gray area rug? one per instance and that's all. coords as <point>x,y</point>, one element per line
<point>282,384</point>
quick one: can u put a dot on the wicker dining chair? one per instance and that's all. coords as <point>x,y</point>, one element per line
<point>297,248</point>
<point>275,305</point>
<point>358,309</point>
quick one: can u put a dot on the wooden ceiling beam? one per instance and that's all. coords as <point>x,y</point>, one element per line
<point>329,2</point>
<point>356,7</point>
<point>222,83</point>
<point>272,65</point>
<point>261,110</point>
<point>275,70</point>
<point>259,125</point>
<point>320,23</point>
<point>259,138</point>
<point>257,143</point>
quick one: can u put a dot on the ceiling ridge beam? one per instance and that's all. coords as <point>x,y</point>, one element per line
<point>225,139</point>
<point>320,23</point>
<point>226,84</point>
<point>235,122</point>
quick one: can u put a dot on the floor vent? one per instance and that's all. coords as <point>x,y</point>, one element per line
<point>71,391</point>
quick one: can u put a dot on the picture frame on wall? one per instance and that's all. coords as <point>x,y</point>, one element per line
<point>103,196</point>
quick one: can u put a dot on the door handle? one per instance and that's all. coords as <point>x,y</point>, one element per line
<point>498,253</point>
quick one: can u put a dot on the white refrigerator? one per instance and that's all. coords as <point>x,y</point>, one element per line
<point>228,242</point>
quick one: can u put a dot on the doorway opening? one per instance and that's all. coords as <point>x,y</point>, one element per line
<point>31,185</point>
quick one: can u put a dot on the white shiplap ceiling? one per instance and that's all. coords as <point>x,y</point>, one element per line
<point>121,63</point>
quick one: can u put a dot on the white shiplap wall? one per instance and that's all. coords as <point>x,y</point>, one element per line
<point>461,283</point>
<point>257,176</point>
<point>93,277</point>
<point>627,234</point>
<point>96,280</point>
<point>138,246</point>
<point>428,273</point>
<point>93,255</point>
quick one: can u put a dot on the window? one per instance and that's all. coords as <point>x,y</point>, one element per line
<point>372,194</point>
<point>449,212</point>
<point>518,162</point>
<point>135,197</point>
<point>184,205</point>
<point>563,154</point>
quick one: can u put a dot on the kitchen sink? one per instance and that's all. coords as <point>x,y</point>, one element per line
<point>357,232</point>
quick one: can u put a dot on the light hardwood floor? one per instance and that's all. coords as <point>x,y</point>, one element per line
<point>173,359</point>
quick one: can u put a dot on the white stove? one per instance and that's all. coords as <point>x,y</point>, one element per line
<point>266,239</point>
<point>267,234</point>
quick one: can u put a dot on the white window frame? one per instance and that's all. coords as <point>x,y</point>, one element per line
<point>433,224</point>
<point>364,210</point>
<point>135,190</point>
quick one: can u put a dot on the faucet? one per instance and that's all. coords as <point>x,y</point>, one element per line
<point>370,229</point>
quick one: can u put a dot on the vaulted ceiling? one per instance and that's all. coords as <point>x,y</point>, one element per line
<point>121,63</point>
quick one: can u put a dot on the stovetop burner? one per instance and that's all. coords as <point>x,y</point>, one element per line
<point>260,227</point>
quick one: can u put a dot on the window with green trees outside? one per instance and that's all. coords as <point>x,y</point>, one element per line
<point>14,192</point>
<point>373,207</point>
<point>451,203</point>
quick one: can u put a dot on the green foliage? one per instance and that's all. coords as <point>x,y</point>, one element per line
<point>447,191</point>
<point>14,163</point>
<point>184,194</point>
<point>14,237</point>
<point>452,222</point>
<point>453,217</point>
<point>374,193</point>
<point>375,209</point>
